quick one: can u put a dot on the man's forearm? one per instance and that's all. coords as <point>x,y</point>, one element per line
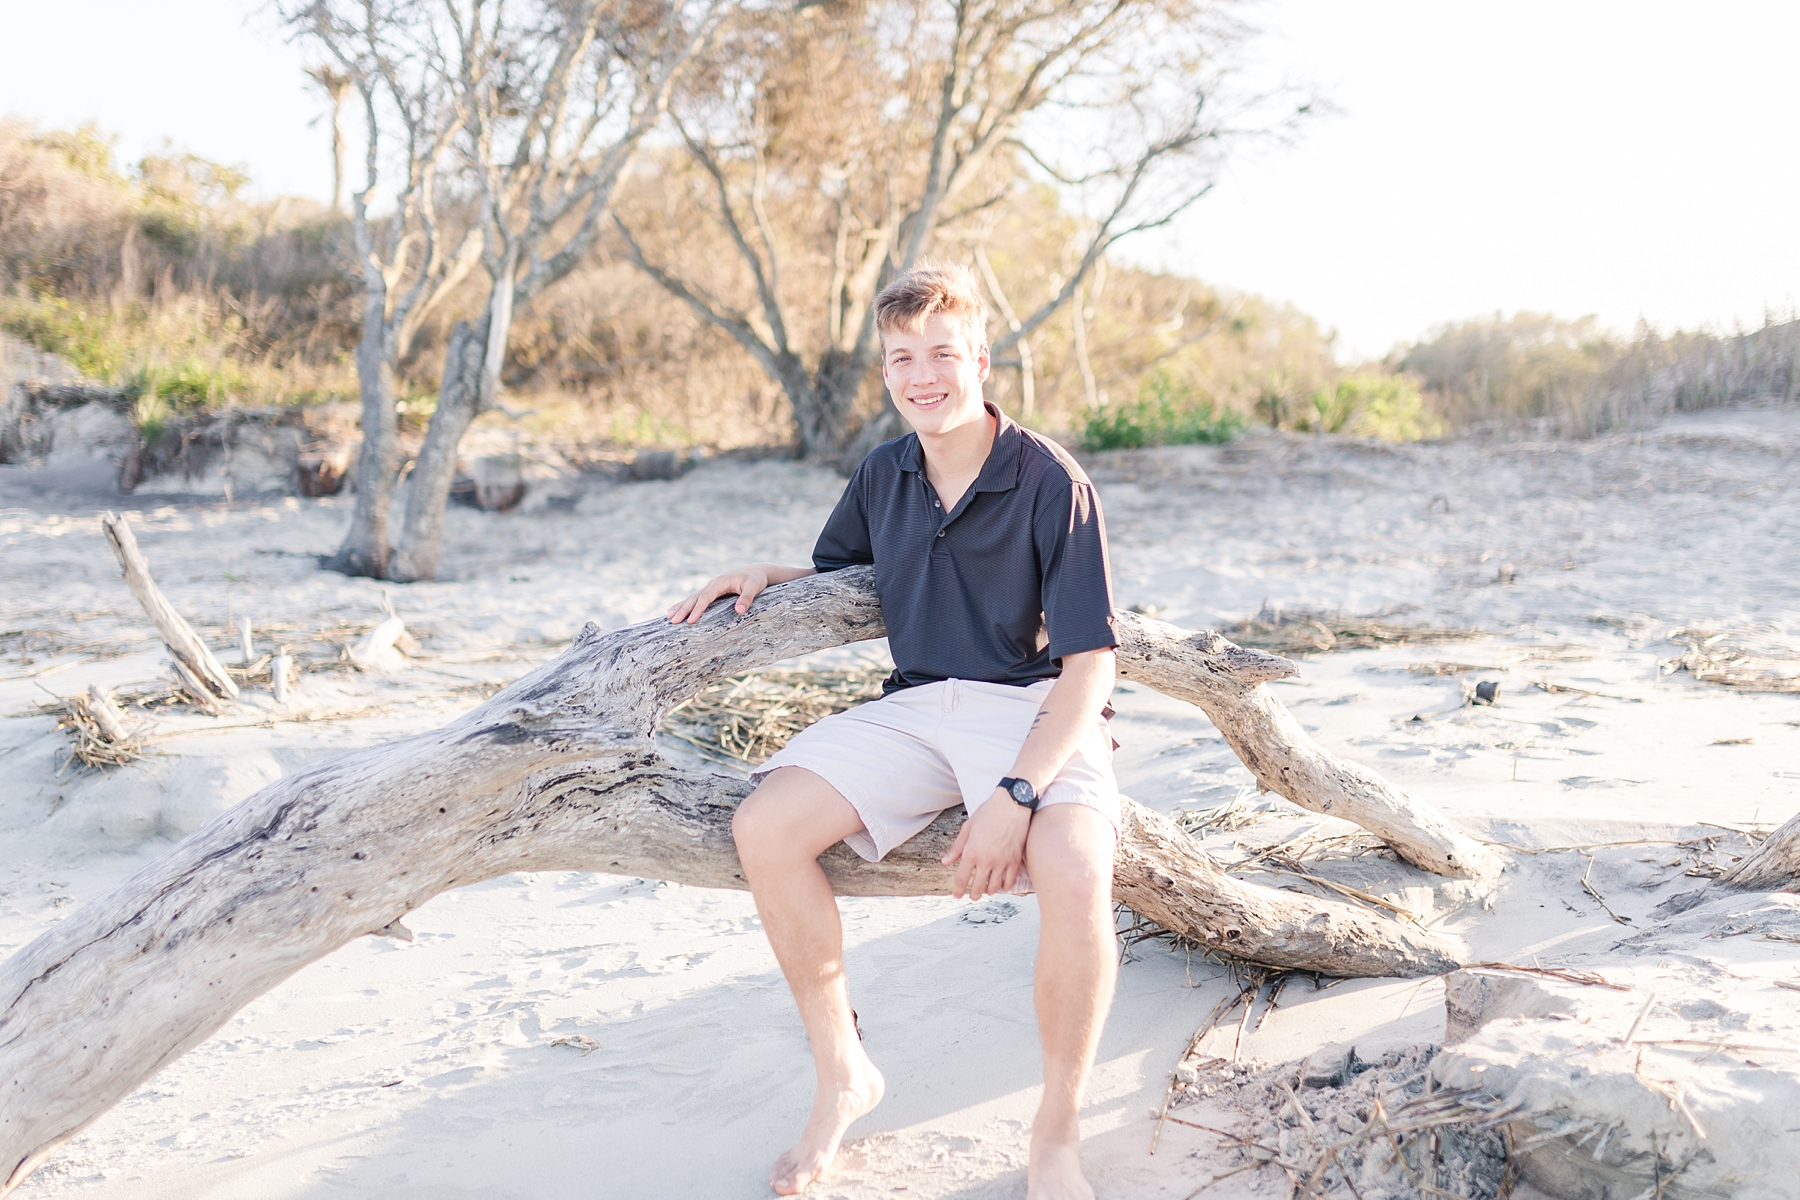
<point>780,574</point>
<point>1068,712</point>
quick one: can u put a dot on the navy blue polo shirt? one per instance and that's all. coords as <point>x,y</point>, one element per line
<point>998,589</point>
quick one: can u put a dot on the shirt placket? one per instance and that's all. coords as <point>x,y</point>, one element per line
<point>938,540</point>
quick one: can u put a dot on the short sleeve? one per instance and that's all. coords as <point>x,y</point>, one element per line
<point>1076,580</point>
<point>844,542</point>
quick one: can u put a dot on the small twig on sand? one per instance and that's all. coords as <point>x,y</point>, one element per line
<point>1274,999</point>
<point>1585,848</point>
<point>1345,890</point>
<point>1237,1044</point>
<point>1715,1046</point>
<point>1598,898</point>
<point>1221,1177</point>
<point>1566,974</point>
<point>1756,833</point>
<point>1638,1024</point>
<point>1544,685</point>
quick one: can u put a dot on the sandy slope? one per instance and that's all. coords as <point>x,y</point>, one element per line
<point>430,1069</point>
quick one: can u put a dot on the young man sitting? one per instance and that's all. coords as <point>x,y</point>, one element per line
<point>990,561</point>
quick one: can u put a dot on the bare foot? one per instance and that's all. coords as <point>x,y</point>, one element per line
<point>834,1109</point>
<point>1055,1170</point>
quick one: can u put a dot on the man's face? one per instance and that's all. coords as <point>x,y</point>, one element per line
<point>935,375</point>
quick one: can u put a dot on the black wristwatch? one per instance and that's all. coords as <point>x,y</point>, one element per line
<point>1021,791</point>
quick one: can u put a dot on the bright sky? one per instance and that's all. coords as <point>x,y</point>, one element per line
<point>1626,159</point>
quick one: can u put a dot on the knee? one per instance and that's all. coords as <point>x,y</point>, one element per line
<point>1082,879</point>
<point>753,826</point>
<point>1074,864</point>
<point>764,825</point>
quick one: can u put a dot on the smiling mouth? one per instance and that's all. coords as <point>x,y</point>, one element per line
<point>929,400</point>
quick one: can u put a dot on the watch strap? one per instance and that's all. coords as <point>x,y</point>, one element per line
<point>1014,785</point>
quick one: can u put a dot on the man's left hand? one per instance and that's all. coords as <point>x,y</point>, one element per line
<point>990,847</point>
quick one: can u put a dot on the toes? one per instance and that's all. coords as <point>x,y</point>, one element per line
<point>789,1177</point>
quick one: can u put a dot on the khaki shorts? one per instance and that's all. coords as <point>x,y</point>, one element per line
<point>903,759</point>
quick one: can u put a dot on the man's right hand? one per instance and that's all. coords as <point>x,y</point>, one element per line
<point>745,583</point>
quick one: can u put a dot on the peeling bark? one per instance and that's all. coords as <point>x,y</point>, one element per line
<point>557,772</point>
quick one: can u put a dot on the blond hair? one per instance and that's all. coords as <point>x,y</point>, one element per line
<point>933,289</point>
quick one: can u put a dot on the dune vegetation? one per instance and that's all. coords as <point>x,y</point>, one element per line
<point>161,279</point>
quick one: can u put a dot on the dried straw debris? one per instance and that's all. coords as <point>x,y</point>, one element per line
<point>1759,660</point>
<point>33,649</point>
<point>89,744</point>
<point>747,718</point>
<point>1386,1130</point>
<point>1309,631</point>
<point>1242,811</point>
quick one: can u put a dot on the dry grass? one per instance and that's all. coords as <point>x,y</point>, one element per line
<point>1752,660</point>
<point>744,720</point>
<point>33,644</point>
<point>1387,1130</point>
<point>1307,631</point>
<point>88,746</point>
<point>1240,812</point>
<point>1532,371</point>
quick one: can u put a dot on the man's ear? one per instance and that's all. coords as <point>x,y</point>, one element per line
<point>984,361</point>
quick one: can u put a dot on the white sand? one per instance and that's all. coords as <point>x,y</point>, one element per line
<point>429,1069</point>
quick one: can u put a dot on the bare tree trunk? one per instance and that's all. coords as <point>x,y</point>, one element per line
<point>339,145</point>
<point>415,556</point>
<point>336,86</point>
<point>364,550</point>
<point>556,772</point>
<point>1027,371</point>
<point>824,401</point>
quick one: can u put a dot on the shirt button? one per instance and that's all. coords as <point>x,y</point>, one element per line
<point>940,533</point>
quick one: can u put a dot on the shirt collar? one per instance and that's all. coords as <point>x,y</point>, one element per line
<point>999,473</point>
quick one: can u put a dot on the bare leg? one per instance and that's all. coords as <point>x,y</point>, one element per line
<point>781,829</point>
<point>1069,856</point>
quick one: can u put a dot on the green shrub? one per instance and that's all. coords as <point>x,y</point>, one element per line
<point>79,334</point>
<point>1388,407</point>
<point>150,412</point>
<point>1165,413</point>
<point>190,382</point>
<point>186,352</point>
<point>1391,409</point>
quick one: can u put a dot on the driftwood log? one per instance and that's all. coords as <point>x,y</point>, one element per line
<point>1774,866</point>
<point>1225,681</point>
<point>199,670</point>
<point>559,772</point>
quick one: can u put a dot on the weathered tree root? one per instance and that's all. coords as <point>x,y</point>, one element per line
<point>559,772</point>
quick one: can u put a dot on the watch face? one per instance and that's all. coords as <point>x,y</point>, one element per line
<point>1021,791</point>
